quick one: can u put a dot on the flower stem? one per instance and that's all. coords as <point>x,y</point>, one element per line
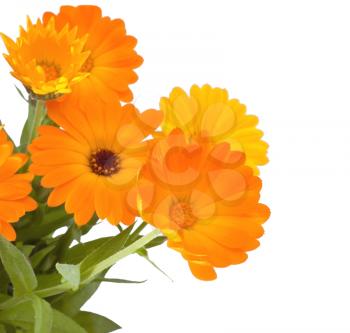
<point>36,115</point>
<point>110,261</point>
<point>100,267</point>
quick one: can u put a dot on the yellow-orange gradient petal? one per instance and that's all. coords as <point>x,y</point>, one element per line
<point>47,61</point>
<point>110,66</point>
<point>207,205</point>
<point>92,160</point>
<point>14,188</point>
<point>209,114</point>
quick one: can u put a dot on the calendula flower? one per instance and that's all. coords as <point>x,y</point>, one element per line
<point>47,61</point>
<point>110,66</point>
<point>14,188</point>
<point>205,200</point>
<point>92,160</point>
<point>209,114</point>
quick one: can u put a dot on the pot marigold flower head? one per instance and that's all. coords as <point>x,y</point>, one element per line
<point>47,61</point>
<point>209,114</point>
<point>14,188</point>
<point>204,199</point>
<point>92,160</point>
<point>110,66</point>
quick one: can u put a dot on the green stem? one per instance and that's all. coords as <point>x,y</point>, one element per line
<point>36,115</point>
<point>100,267</point>
<point>39,115</point>
<point>110,261</point>
<point>136,233</point>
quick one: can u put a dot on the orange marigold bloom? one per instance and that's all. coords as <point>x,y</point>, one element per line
<point>209,114</point>
<point>47,61</point>
<point>204,200</point>
<point>14,188</point>
<point>110,66</point>
<point>92,160</point>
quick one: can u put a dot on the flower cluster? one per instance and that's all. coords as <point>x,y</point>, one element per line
<point>200,185</point>
<point>190,169</point>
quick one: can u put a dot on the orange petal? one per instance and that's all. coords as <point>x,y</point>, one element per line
<point>63,174</point>
<point>7,231</point>
<point>202,270</point>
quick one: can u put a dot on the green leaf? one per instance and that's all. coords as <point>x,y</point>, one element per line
<point>2,329</point>
<point>156,242</point>
<point>23,316</point>
<point>136,234</point>
<point>48,280</point>
<point>119,280</point>
<point>51,221</point>
<point>43,315</point>
<point>39,256</point>
<point>11,329</point>
<point>17,267</point>
<point>65,240</point>
<point>64,324</point>
<point>71,303</point>
<point>4,297</point>
<point>4,280</point>
<point>51,285</point>
<point>14,301</point>
<point>21,93</point>
<point>104,251</point>
<point>70,274</point>
<point>94,323</point>
<point>144,254</point>
<point>26,249</point>
<point>77,253</point>
<point>98,262</point>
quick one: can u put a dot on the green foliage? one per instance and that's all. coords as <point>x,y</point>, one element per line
<point>43,315</point>
<point>29,316</point>
<point>156,242</point>
<point>48,294</point>
<point>103,252</point>
<point>44,279</point>
<point>94,323</point>
<point>18,268</point>
<point>70,274</point>
<point>71,303</point>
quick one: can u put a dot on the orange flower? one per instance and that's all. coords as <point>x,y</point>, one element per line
<point>110,66</point>
<point>46,61</point>
<point>209,114</point>
<point>93,159</point>
<point>14,188</point>
<point>204,200</point>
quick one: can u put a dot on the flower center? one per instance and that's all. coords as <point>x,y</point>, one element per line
<point>181,214</point>
<point>104,162</point>
<point>88,65</point>
<point>51,70</point>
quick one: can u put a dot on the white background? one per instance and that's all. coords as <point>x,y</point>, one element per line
<point>289,62</point>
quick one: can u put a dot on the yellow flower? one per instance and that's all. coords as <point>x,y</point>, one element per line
<point>110,66</point>
<point>204,199</point>
<point>46,61</point>
<point>208,113</point>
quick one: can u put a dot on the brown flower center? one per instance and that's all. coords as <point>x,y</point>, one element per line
<point>51,70</point>
<point>181,214</point>
<point>88,65</point>
<point>104,162</point>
